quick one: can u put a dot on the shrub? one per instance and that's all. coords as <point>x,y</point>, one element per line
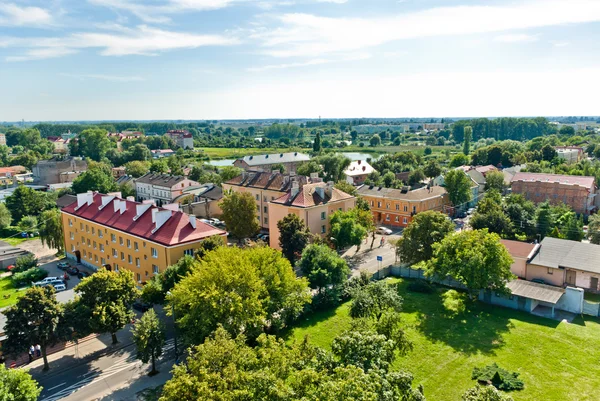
<point>500,378</point>
<point>25,263</point>
<point>355,283</point>
<point>32,275</point>
<point>422,286</point>
<point>326,299</point>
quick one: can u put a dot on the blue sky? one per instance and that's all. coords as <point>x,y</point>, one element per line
<point>218,59</point>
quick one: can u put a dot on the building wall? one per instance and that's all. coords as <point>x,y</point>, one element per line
<point>507,301</point>
<point>49,171</point>
<point>519,267</point>
<point>312,217</point>
<point>557,276</point>
<point>583,279</point>
<point>571,301</point>
<point>357,179</point>
<point>205,209</point>
<point>289,167</point>
<point>102,248</point>
<point>399,213</point>
<point>162,195</point>
<point>576,196</point>
<point>262,198</point>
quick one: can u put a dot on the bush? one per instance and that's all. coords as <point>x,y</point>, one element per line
<point>25,263</point>
<point>422,286</point>
<point>328,298</point>
<point>32,275</point>
<point>355,283</point>
<point>500,378</point>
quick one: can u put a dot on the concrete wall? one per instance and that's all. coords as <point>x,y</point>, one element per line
<point>576,196</point>
<point>583,279</point>
<point>519,267</point>
<point>557,277</point>
<point>571,301</point>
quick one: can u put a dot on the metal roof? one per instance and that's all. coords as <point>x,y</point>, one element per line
<point>539,292</point>
<point>562,253</point>
<point>289,157</point>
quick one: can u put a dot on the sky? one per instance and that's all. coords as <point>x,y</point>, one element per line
<point>248,59</point>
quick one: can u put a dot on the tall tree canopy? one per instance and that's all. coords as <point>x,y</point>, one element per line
<point>346,228</point>
<point>51,230</point>
<point>149,338</point>
<point>25,201</point>
<point>425,229</point>
<point>239,214</point>
<point>92,143</point>
<point>294,236</point>
<point>323,267</point>
<point>94,180</point>
<point>458,184</point>
<point>18,385</point>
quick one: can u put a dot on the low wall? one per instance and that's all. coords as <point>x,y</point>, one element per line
<point>408,272</point>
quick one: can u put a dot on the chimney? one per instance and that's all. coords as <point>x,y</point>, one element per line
<point>193,221</point>
<point>131,199</point>
<point>140,209</point>
<point>161,218</point>
<point>105,201</point>
<point>149,202</point>
<point>329,189</point>
<point>295,188</point>
<point>115,194</point>
<point>85,198</point>
<point>154,211</point>
<point>360,161</point>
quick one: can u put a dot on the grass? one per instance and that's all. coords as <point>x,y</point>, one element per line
<point>595,298</point>
<point>15,241</point>
<point>451,336</point>
<point>7,288</point>
<point>233,153</point>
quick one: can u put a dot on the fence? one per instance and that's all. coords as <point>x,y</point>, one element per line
<point>591,308</point>
<point>408,272</point>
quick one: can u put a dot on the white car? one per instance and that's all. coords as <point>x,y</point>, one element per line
<point>383,231</point>
<point>59,287</point>
<point>46,281</point>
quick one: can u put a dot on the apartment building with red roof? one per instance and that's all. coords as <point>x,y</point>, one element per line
<point>108,231</point>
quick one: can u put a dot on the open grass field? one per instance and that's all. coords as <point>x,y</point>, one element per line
<point>7,289</point>
<point>556,360</point>
<point>15,241</point>
<point>234,153</point>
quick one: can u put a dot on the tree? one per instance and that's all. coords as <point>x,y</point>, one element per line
<point>18,385</point>
<point>317,143</point>
<point>33,320</point>
<point>566,130</point>
<point>245,290</point>
<point>476,258</point>
<point>458,185</point>
<point>375,140</point>
<point>494,180</point>
<point>364,349</point>
<point>323,267</point>
<point>174,165</point>
<point>293,237</point>
<point>545,220</point>
<point>229,172</point>
<point>149,338</point>
<point>415,177</point>
<point>140,152</point>
<point>594,229</point>
<point>334,165</point>
<point>51,230</point>
<point>467,140</point>
<point>5,217</point>
<point>459,160</point>
<point>155,291</point>
<point>432,169</point>
<point>25,262</point>
<point>28,223</point>
<point>573,228</point>
<point>239,214</point>
<point>425,229</point>
<point>346,230</point>
<point>108,297</point>
<point>24,201</point>
<point>159,166</point>
<point>92,143</point>
<point>94,180</point>
<point>346,187</point>
<point>209,244</point>
<point>490,215</point>
<point>549,153</point>
<point>137,168</point>
<point>485,393</point>
<point>307,169</point>
<point>373,300</point>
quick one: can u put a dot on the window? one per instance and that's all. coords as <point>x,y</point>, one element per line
<point>84,253</point>
<point>387,217</point>
<point>102,261</point>
<point>94,244</point>
<point>113,238</point>
<point>257,197</point>
<point>371,203</point>
<point>550,271</point>
<point>88,243</point>
<point>155,269</point>
<point>264,198</point>
<point>120,240</point>
<point>116,267</point>
<point>146,273</point>
<point>72,248</point>
<point>258,208</point>
<point>414,209</point>
<point>81,226</point>
<point>387,205</point>
<point>144,244</point>
<point>272,198</point>
<point>378,204</point>
<point>397,219</point>
<point>101,247</point>
<point>82,240</point>
<point>100,234</point>
<point>322,229</point>
<point>404,220</point>
<point>93,230</point>
<point>139,278</point>
<point>129,259</point>
<point>266,220</point>
<point>137,262</point>
<point>397,207</point>
<point>122,256</point>
<point>405,208</point>
<point>87,229</point>
<point>96,258</point>
<point>189,252</point>
<point>265,209</point>
<point>114,253</point>
<point>128,243</point>
<point>72,236</point>
<point>323,215</point>
<point>135,246</point>
<point>70,223</point>
<point>154,252</point>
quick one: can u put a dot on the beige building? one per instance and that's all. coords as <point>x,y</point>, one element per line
<point>313,203</point>
<point>358,171</point>
<point>58,170</point>
<point>264,187</point>
<point>289,160</point>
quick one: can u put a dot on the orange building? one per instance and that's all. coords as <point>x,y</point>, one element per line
<point>313,203</point>
<point>105,230</point>
<point>396,207</point>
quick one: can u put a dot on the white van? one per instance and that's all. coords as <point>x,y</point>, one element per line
<point>46,281</point>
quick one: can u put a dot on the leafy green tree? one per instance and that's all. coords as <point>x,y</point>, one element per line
<point>239,214</point>
<point>364,349</point>
<point>425,229</point>
<point>307,169</point>
<point>459,160</point>
<point>140,152</point>
<point>33,320</point>
<point>375,140</point>
<point>566,130</point>
<point>175,165</point>
<point>159,166</point>
<point>245,290</point>
<point>229,172</point>
<point>155,291</point>
<point>92,143</point>
<point>476,258</point>
<point>573,228</point>
<point>137,168</point>
<point>294,236</point>
<point>458,185</point>
<point>149,338</point>
<point>594,229</point>
<point>346,230</point>
<point>495,180</point>
<point>467,141</point>
<point>24,201</point>
<point>333,165</point>
<point>432,169</point>
<point>5,217</point>
<point>51,230</point>
<point>374,299</point>
<point>485,393</point>
<point>549,153</point>
<point>25,262</point>
<point>28,223</point>
<point>94,180</point>
<point>415,177</point>
<point>317,143</point>
<point>545,220</point>
<point>490,215</point>
<point>346,187</point>
<point>209,244</point>
<point>323,267</point>
<point>108,297</point>
<point>18,385</point>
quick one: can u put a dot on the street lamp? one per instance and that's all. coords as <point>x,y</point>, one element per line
<point>174,328</point>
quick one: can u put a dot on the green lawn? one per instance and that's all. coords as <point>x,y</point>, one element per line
<point>15,241</point>
<point>233,153</point>
<point>7,288</point>
<point>557,361</point>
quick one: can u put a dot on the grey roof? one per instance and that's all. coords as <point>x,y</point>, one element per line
<point>290,157</point>
<point>392,193</point>
<point>125,179</point>
<point>163,180</point>
<point>562,253</point>
<point>208,190</point>
<point>537,291</point>
<point>65,200</point>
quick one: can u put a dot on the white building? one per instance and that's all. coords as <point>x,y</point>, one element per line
<point>182,138</point>
<point>161,188</point>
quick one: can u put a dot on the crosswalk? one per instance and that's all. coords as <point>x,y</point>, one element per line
<point>127,363</point>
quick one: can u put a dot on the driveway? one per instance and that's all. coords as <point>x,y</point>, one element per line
<point>366,258</point>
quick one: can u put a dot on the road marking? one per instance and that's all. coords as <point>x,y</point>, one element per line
<point>52,388</point>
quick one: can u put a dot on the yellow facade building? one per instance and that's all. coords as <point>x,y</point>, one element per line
<point>107,231</point>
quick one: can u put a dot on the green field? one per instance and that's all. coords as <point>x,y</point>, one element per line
<point>7,289</point>
<point>556,360</point>
<point>233,153</point>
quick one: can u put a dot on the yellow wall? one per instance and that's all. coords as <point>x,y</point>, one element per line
<point>92,256</point>
<point>382,207</point>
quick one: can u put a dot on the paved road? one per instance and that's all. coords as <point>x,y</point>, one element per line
<point>101,378</point>
<point>366,258</point>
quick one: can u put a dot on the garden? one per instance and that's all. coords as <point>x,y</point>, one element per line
<point>451,336</point>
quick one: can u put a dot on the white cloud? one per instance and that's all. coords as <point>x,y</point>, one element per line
<point>311,62</point>
<point>112,78</point>
<point>311,35</point>
<point>560,43</point>
<point>14,15</point>
<point>515,38</point>
<point>141,40</point>
<point>332,1</point>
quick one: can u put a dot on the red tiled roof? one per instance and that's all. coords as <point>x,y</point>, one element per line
<point>275,181</point>
<point>486,169</point>
<point>517,248</point>
<point>309,196</point>
<point>176,230</point>
<point>584,181</point>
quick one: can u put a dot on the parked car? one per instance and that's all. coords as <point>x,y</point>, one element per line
<point>63,265</point>
<point>215,222</point>
<point>538,280</point>
<point>73,271</point>
<point>60,287</point>
<point>461,215</point>
<point>83,275</point>
<point>45,281</point>
<point>141,306</point>
<point>470,211</point>
<point>383,231</point>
